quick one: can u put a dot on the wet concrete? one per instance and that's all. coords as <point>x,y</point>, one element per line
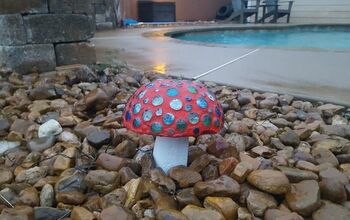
<point>314,74</point>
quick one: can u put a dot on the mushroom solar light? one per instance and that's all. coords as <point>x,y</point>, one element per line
<point>173,110</point>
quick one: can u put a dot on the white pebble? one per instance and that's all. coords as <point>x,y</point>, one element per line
<point>49,128</point>
<point>8,145</point>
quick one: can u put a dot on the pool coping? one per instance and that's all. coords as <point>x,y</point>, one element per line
<point>175,31</point>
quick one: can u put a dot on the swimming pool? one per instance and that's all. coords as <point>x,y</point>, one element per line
<point>323,37</point>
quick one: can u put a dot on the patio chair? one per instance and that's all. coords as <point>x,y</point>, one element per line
<point>272,8</point>
<point>241,10</point>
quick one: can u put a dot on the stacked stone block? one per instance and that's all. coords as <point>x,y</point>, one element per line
<point>104,12</point>
<point>38,35</point>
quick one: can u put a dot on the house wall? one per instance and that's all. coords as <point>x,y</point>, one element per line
<point>303,11</point>
<point>186,10</point>
<point>321,11</point>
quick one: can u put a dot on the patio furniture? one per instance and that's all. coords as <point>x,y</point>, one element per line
<point>242,10</point>
<point>272,8</point>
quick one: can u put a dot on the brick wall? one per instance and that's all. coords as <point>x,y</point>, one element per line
<point>38,35</point>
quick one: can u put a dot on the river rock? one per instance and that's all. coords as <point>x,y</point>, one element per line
<point>159,177</point>
<point>47,196</point>
<point>147,164</point>
<point>99,138</point>
<point>245,97</point>
<point>197,213</point>
<point>304,165</point>
<point>343,158</point>
<point>49,128</point>
<point>324,156</point>
<point>271,181</point>
<point>126,149</point>
<point>96,100</point>
<point>102,181</point>
<point>241,171</point>
<point>337,130</point>
<point>6,176</point>
<point>276,143</point>
<point>339,120</point>
<point>71,198</point>
<point>200,163</point>
<point>65,161</point>
<point>194,152</point>
<point>47,213</point>
<point>336,146</point>
<point>170,214</point>
<point>301,155</point>
<point>80,213</point>
<point>84,128</point>
<point>8,145</point>
<point>345,169</point>
<point>114,211</point>
<point>9,194</point>
<point>127,174</point>
<point>276,214</point>
<point>290,138</point>
<point>227,165</point>
<point>110,162</point>
<point>304,197</point>
<point>220,148</point>
<point>41,144</point>
<point>238,127</point>
<point>42,93</point>
<point>187,197</point>
<point>184,176</point>
<point>255,162</point>
<point>223,186</point>
<point>281,122</point>
<point>32,175</point>
<point>46,117</point>
<point>244,214</point>
<point>134,189</point>
<point>116,197</point>
<point>211,172</point>
<point>258,202</point>
<point>225,205</point>
<point>18,212</point>
<point>93,203</point>
<point>333,190</point>
<point>67,136</point>
<point>268,103</point>
<point>331,211</point>
<point>4,126</point>
<point>334,174</point>
<point>28,196</point>
<point>296,175</point>
<point>71,183</point>
<point>162,200</point>
<point>331,108</point>
<point>21,126</point>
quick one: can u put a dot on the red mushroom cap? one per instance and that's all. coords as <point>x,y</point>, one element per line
<point>173,108</point>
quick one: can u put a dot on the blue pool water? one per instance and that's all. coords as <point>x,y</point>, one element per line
<point>305,37</point>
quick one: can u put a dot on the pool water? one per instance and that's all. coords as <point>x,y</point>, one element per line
<point>305,37</point>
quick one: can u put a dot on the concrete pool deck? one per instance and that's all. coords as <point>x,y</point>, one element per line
<point>313,74</point>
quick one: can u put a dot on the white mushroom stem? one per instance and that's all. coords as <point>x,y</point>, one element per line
<point>170,152</point>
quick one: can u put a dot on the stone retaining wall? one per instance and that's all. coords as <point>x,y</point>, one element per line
<point>38,35</point>
<point>105,13</point>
